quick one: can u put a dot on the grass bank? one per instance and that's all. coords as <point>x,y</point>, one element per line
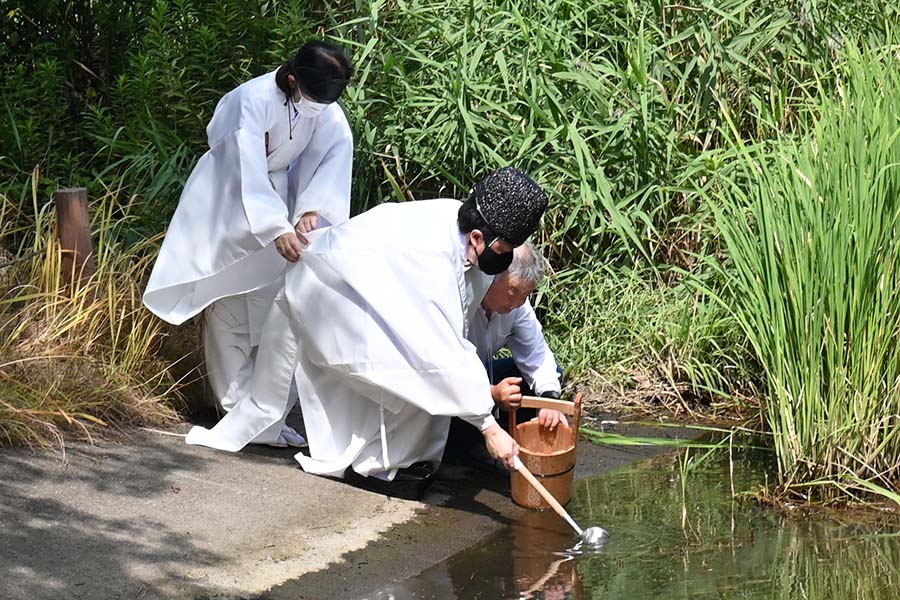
<point>810,229</point>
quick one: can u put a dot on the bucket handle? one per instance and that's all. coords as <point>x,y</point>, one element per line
<point>572,409</point>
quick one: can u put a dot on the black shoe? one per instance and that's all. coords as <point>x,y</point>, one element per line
<point>410,483</point>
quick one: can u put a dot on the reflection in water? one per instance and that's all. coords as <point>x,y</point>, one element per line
<point>531,559</point>
<point>672,541</point>
<point>538,573</point>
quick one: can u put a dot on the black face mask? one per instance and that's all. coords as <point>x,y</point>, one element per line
<point>492,263</point>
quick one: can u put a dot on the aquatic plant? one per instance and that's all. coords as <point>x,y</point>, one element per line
<point>726,547</point>
<point>810,228</point>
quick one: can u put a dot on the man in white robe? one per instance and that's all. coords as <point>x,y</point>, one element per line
<point>279,165</point>
<point>372,324</point>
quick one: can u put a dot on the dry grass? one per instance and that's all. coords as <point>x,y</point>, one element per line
<point>76,359</point>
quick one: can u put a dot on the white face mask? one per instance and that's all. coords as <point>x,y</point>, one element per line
<point>310,109</point>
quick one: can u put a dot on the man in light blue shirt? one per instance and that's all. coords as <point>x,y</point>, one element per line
<point>505,318</point>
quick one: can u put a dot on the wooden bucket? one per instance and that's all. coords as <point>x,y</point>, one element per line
<point>549,455</point>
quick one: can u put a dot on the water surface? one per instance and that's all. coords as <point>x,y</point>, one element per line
<point>677,532</point>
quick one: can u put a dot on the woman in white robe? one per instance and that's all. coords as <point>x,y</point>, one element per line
<point>372,323</point>
<point>278,166</point>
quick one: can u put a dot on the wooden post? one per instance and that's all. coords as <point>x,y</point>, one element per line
<point>75,234</point>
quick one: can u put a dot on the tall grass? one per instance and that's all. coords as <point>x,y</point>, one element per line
<point>635,341</point>
<point>812,234</point>
<point>607,103</point>
<point>75,359</point>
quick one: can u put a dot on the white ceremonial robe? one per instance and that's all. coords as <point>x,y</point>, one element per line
<point>372,324</point>
<point>267,166</point>
<point>243,194</point>
<point>521,331</point>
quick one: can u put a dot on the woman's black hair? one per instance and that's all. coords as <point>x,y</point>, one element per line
<point>321,69</point>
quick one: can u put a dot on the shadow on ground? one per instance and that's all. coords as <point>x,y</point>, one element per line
<point>88,527</point>
<point>150,518</point>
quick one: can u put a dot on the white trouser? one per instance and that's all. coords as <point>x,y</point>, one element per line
<point>260,405</point>
<point>230,340</point>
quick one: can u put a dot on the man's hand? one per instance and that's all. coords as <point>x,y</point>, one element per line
<point>501,445</point>
<point>289,245</point>
<point>550,418</point>
<point>307,222</point>
<point>508,393</point>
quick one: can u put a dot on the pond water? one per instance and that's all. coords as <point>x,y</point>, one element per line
<point>676,532</point>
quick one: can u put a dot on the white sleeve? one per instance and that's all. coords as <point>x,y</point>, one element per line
<point>266,212</point>
<point>531,353</point>
<point>240,120</point>
<point>481,423</point>
<point>320,177</point>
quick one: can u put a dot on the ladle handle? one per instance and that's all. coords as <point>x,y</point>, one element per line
<point>547,496</point>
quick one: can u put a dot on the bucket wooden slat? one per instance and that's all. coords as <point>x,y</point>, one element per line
<point>549,455</point>
<point>562,406</point>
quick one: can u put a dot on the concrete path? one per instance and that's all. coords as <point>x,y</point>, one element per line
<point>155,518</point>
